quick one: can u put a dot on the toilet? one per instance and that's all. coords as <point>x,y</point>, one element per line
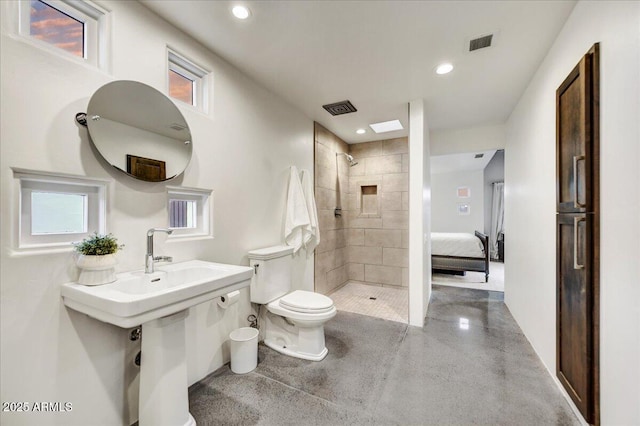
<point>293,323</point>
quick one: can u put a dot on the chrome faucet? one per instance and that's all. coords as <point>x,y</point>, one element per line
<point>149,259</point>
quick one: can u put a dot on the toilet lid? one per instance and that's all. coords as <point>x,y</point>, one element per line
<point>306,302</point>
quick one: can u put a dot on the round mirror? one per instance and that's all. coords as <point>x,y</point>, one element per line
<point>139,130</point>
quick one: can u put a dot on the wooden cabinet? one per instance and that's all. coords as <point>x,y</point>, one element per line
<point>574,306</point>
<point>577,235</point>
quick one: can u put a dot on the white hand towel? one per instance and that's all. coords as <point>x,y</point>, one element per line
<point>312,237</point>
<point>297,216</point>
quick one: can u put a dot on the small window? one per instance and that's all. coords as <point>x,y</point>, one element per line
<point>58,213</point>
<point>57,209</point>
<point>73,28</point>
<point>190,212</point>
<point>186,81</point>
<point>56,27</point>
<point>183,214</point>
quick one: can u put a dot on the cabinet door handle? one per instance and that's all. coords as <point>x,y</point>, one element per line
<point>576,202</point>
<point>576,222</point>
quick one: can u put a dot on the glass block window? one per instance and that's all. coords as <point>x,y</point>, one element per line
<point>57,28</point>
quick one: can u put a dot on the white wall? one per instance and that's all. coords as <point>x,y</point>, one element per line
<point>469,139</point>
<point>444,201</point>
<point>530,200</point>
<point>494,172</point>
<point>419,214</point>
<point>242,150</point>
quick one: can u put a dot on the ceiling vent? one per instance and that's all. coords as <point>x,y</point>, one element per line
<point>339,108</point>
<point>480,42</point>
<point>178,127</point>
<point>478,156</point>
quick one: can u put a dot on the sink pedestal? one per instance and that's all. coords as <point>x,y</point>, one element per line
<point>164,388</point>
<point>160,302</point>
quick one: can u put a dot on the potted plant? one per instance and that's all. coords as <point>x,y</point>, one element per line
<point>97,259</point>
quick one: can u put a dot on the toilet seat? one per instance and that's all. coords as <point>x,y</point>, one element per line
<point>306,302</point>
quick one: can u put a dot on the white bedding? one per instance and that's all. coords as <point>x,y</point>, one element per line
<point>456,244</point>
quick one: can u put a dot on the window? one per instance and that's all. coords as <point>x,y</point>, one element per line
<point>183,214</point>
<point>58,213</point>
<point>186,81</point>
<point>56,210</point>
<point>73,28</point>
<point>190,212</point>
<point>56,27</point>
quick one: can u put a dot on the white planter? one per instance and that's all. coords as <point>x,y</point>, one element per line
<point>96,270</point>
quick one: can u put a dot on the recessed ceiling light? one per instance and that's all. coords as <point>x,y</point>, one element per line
<point>444,68</point>
<point>361,131</point>
<point>240,12</point>
<point>386,126</point>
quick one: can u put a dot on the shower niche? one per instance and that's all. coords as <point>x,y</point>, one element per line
<point>368,198</point>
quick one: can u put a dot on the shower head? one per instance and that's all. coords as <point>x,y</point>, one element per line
<point>352,161</point>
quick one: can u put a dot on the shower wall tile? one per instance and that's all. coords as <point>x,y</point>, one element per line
<point>363,222</point>
<point>405,239</point>
<point>326,178</point>
<point>331,191</point>
<point>358,169</point>
<point>405,163</point>
<point>325,198</point>
<point>356,271</point>
<point>405,201</point>
<point>331,240</point>
<point>326,157</point>
<point>325,262</point>
<point>320,283</point>
<point>327,241</point>
<point>395,257</point>
<point>368,255</point>
<point>327,221</point>
<point>355,237</point>
<point>391,201</point>
<point>382,238</point>
<point>354,181</point>
<point>395,219</point>
<point>343,164</point>
<point>383,164</point>
<point>405,277</point>
<point>351,201</point>
<point>337,277</point>
<point>367,149</point>
<point>341,238</point>
<point>395,146</point>
<point>395,182</point>
<point>383,274</point>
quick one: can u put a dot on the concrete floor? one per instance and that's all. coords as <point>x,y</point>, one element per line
<point>471,364</point>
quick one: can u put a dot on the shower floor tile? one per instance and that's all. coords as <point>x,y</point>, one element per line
<point>381,302</point>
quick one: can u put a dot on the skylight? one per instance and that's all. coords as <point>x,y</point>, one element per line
<point>386,126</point>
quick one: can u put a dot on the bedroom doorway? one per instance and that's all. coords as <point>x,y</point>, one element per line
<point>467,220</point>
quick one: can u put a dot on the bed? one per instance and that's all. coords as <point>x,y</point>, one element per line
<point>460,252</point>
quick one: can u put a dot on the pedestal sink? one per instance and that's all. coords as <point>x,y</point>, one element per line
<point>159,302</point>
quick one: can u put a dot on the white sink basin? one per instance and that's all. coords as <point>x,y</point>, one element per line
<point>135,297</point>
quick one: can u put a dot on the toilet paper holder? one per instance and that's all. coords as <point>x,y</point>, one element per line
<point>228,299</point>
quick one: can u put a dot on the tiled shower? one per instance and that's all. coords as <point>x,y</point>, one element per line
<point>368,243</point>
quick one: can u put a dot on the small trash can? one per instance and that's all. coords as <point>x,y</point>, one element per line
<point>244,349</point>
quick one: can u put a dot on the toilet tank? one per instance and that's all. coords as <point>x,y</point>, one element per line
<point>272,277</point>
